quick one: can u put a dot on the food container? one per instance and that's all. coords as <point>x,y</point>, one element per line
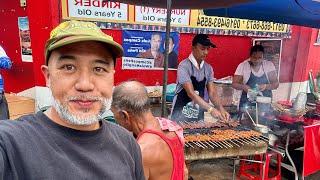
<point>169,97</point>
<point>155,100</point>
<point>272,139</point>
<point>263,105</point>
<point>300,102</point>
<point>262,128</point>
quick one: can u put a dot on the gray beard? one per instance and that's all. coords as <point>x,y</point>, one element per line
<point>81,119</point>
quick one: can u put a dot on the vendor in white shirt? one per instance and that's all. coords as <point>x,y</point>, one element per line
<point>255,73</point>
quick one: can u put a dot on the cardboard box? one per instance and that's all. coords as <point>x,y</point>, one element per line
<point>19,105</point>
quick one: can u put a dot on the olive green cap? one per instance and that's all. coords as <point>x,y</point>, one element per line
<point>73,31</point>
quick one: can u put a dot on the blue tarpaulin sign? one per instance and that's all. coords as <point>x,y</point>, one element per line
<point>145,50</point>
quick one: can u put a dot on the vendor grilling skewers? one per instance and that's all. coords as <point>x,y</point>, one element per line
<point>255,76</point>
<point>194,80</point>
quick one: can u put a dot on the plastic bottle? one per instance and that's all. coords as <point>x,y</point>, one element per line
<point>195,105</point>
<point>157,87</point>
<point>318,81</point>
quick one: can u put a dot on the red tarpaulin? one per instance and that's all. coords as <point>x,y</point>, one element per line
<point>311,156</point>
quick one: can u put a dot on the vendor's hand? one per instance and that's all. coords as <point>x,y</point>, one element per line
<point>225,114</point>
<point>246,88</point>
<point>215,113</point>
<point>262,87</point>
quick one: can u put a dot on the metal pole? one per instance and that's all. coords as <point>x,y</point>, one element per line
<point>166,55</point>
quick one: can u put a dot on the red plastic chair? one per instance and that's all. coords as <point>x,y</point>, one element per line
<point>253,171</point>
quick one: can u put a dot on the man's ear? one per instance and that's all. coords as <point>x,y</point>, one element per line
<point>125,115</point>
<point>46,74</point>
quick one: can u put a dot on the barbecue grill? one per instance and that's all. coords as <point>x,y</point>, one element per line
<point>207,140</point>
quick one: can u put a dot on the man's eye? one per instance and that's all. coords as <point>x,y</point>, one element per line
<point>100,69</point>
<point>68,67</point>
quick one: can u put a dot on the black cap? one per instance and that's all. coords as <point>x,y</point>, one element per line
<point>202,39</point>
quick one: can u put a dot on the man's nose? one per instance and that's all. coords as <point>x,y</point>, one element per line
<point>84,82</point>
<point>205,52</point>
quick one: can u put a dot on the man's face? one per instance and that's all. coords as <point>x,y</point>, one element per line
<point>155,42</point>
<point>81,77</point>
<point>200,51</point>
<point>171,45</point>
<point>256,57</point>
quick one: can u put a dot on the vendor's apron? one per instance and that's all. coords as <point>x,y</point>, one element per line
<point>178,112</point>
<point>253,80</point>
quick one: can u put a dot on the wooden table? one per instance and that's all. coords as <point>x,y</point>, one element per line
<point>19,105</point>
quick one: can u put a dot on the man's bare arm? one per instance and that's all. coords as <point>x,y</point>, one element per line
<point>215,99</point>
<point>237,83</point>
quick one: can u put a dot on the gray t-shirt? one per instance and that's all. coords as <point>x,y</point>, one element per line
<point>186,69</point>
<point>34,147</point>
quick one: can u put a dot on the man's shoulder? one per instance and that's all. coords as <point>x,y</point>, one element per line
<point>19,128</point>
<point>119,133</point>
<point>185,63</point>
<point>150,141</point>
<point>154,149</point>
<point>244,62</point>
<point>268,63</point>
<point>207,65</point>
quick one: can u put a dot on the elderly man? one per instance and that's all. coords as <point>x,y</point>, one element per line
<point>161,140</point>
<point>69,140</point>
<point>154,51</point>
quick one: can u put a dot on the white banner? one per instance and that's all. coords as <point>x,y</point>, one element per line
<point>137,63</point>
<point>98,9</point>
<point>158,16</point>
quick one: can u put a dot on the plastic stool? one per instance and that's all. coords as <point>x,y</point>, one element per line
<point>247,167</point>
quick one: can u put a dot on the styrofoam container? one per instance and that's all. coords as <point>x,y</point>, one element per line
<point>262,99</point>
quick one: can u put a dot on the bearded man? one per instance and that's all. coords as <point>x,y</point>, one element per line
<point>69,140</point>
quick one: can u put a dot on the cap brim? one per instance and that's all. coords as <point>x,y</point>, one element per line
<point>116,48</point>
<point>208,44</point>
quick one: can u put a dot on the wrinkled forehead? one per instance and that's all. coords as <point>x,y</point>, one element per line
<point>95,50</point>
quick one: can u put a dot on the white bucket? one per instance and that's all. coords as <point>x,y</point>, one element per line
<point>263,105</point>
<point>262,99</point>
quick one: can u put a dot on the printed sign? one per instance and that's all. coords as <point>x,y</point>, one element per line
<point>98,9</point>
<point>145,50</point>
<point>120,15</point>
<point>241,24</point>
<point>25,40</point>
<point>137,63</point>
<point>159,16</point>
